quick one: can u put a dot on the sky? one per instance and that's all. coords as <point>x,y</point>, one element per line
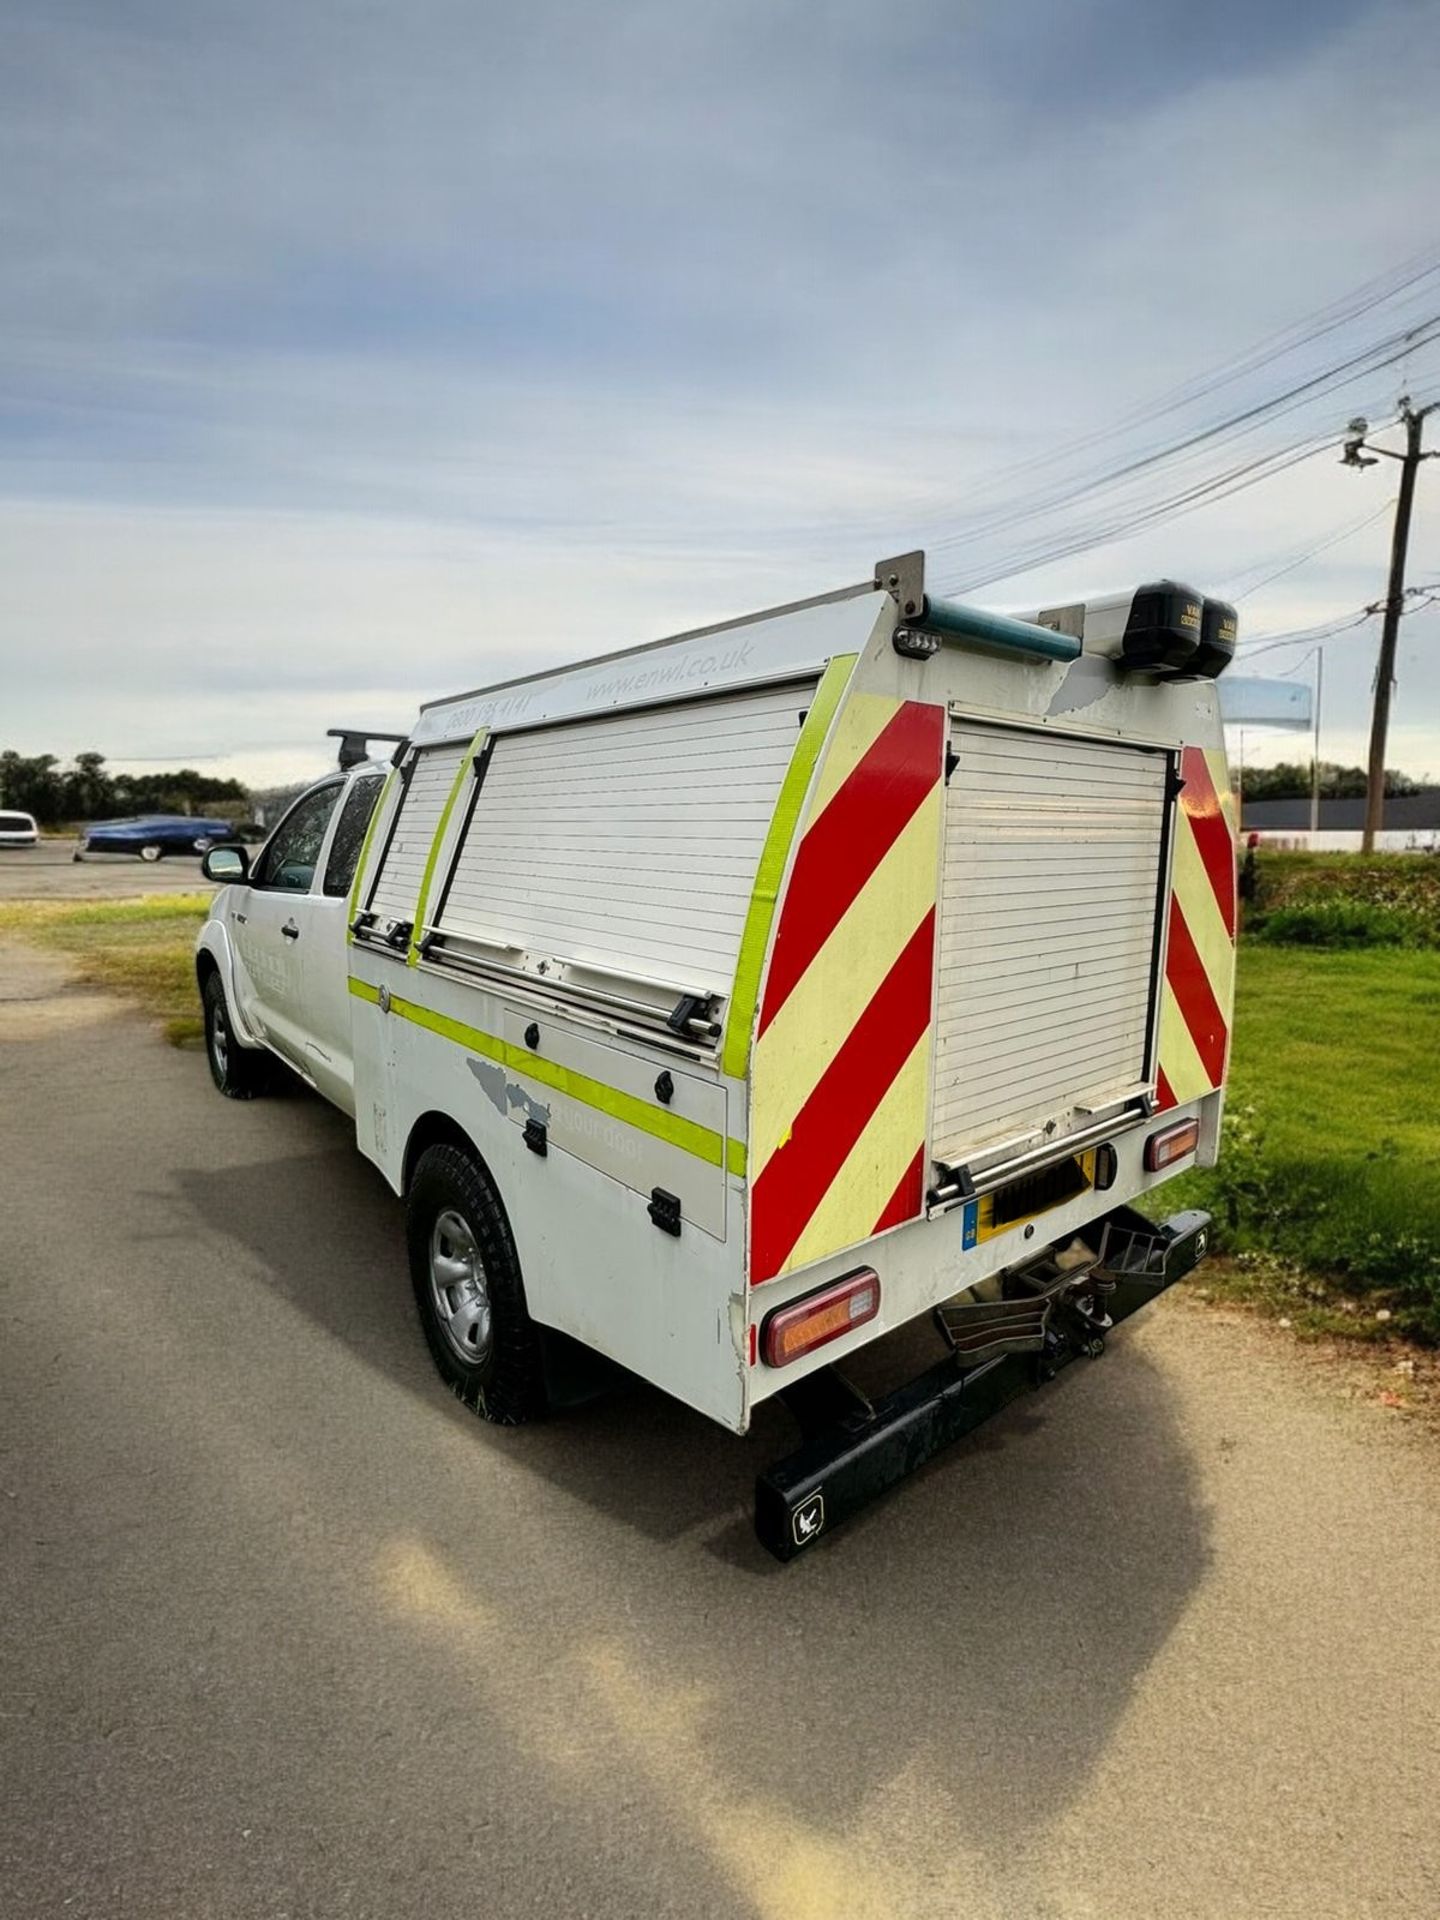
<point>354,354</point>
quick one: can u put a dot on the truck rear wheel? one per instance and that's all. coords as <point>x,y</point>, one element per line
<point>466,1276</point>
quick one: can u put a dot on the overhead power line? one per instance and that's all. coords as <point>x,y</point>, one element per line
<point>1421,599</point>
<point>1407,281</point>
<point>1182,467</point>
<point>1186,499</point>
<point>1310,553</point>
<point>1237,427</point>
<point>1322,633</point>
<point>1341,373</point>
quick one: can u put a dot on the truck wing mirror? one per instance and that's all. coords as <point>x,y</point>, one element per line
<point>227,863</point>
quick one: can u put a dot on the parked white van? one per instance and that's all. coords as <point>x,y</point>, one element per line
<point>724,1004</point>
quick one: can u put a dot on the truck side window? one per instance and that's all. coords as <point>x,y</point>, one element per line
<point>350,833</point>
<point>288,863</point>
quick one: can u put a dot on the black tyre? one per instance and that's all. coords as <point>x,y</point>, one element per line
<point>239,1072</point>
<point>468,1289</point>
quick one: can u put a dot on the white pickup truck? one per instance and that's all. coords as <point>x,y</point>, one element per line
<point>726,1003</point>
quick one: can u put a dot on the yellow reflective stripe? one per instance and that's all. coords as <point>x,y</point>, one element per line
<point>1222,974</point>
<point>365,854</point>
<point>673,1128</point>
<point>755,941</point>
<point>815,1021</point>
<point>1179,1055</point>
<point>1220,779</point>
<point>417,928</point>
<point>873,1168</point>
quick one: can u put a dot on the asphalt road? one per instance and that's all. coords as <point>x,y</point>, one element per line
<point>49,871</point>
<point>289,1633</point>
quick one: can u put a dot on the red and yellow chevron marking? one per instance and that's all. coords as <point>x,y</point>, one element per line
<point>1199,987</point>
<point>841,1064</point>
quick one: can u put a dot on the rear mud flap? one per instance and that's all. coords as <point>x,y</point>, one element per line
<point>853,1450</point>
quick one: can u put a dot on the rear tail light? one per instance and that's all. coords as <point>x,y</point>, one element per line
<point>831,1310</point>
<point>1163,1149</point>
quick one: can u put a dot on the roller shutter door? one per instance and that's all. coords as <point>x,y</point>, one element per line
<point>1048,923</point>
<point>628,844</point>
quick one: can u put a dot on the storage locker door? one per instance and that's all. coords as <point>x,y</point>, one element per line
<point>397,884</point>
<point>628,844</point>
<point>1048,926</point>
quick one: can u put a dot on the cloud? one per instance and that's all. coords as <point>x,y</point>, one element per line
<point>353,352</point>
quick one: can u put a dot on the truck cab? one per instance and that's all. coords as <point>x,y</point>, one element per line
<point>275,937</point>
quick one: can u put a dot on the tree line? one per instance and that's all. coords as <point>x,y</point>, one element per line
<point>87,790</point>
<point>1292,782</point>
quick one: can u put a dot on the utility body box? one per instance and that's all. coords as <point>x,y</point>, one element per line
<point>869,936</point>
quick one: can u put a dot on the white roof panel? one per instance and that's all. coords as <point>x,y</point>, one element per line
<point>746,653</point>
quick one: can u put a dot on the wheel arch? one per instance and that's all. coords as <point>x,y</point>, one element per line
<point>439,1129</point>
<point>214,958</point>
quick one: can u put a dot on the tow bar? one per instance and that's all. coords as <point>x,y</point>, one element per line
<point>1046,1317</point>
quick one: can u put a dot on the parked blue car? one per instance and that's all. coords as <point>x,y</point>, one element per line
<point>153,835</point>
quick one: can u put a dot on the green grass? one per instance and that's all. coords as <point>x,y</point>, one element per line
<point>1339,900</point>
<point>143,949</point>
<point>1329,1181</point>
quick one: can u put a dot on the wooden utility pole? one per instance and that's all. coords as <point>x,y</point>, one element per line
<point>1315,748</point>
<point>1414,421</point>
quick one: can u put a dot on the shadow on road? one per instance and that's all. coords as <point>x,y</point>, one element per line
<point>988,1621</point>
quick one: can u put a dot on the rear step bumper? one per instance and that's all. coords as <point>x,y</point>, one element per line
<point>852,1450</point>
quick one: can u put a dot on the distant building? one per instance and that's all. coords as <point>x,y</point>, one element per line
<point>1412,823</point>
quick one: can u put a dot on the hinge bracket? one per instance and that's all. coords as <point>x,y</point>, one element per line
<point>904,579</point>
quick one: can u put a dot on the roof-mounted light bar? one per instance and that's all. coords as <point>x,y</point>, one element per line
<point>1163,628</point>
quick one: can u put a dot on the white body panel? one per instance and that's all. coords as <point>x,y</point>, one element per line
<point>595,1267</point>
<point>767,646</point>
<point>270,977</point>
